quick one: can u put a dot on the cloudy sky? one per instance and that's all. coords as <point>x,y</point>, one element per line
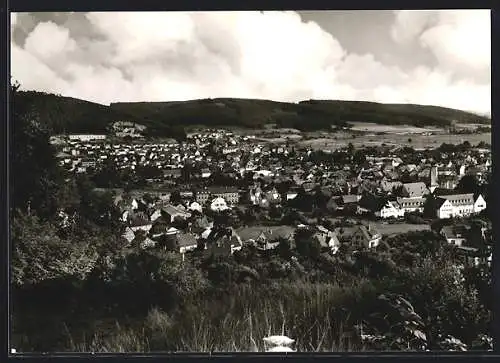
<point>410,56</point>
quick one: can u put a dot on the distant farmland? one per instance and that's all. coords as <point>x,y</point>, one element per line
<point>417,141</point>
<point>372,127</point>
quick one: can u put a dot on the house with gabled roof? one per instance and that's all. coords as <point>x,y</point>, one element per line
<point>456,235</point>
<point>388,186</point>
<point>128,234</point>
<point>224,241</point>
<point>140,222</point>
<point>415,190</point>
<point>390,209</point>
<point>171,213</point>
<point>479,204</point>
<point>361,235</point>
<point>327,239</point>
<point>186,242</point>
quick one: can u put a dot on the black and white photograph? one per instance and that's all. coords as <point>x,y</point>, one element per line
<point>250,181</point>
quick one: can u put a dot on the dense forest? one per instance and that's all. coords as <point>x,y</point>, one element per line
<point>70,115</point>
<point>93,293</point>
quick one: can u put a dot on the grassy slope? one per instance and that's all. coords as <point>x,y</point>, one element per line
<point>64,114</point>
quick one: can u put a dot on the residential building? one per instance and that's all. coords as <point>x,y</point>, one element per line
<point>230,195</point>
<point>479,204</point>
<point>459,205</point>
<point>455,235</point>
<point>186,242</point>
<point>415,190</point>
<point>362,236</point>
<point>409,205</point>
<point>219,205</point>
<point>171,213</point>
<point>390,209</point>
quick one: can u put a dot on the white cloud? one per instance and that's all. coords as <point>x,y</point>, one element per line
<point>459,39</point>
<point>274,55</point>
<point>51,44</point>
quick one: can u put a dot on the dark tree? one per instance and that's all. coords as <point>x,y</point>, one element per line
<point>350,148</point>
<point>468,184</point>
<point>35,176</point>
<point>359,157</point>
<point>175,197</point>
<point>306,245</point>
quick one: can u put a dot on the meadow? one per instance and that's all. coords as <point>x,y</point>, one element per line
<point>416,141</point>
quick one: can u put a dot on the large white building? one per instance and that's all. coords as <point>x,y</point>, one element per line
<point>459,205</point>
<point>86,137</point>
<point>409,205</point>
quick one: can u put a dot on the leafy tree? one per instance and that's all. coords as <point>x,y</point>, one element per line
<point>359,157</point>
<point>175,198</point>
<point>468,184</point>
<point>284,248</point>
<point>39,254</point>
<point>350,149</point>
<point>35,176</point>
<point>306,245</point>
<point>445,304</point>
<point>108,176</point>
<point>148,172</point>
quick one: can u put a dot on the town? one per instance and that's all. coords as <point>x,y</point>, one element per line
<point>220,190</point>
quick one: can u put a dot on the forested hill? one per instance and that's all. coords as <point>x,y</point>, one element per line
<point>312,114</point>
<point>70,115</point>
<point>64,114</point>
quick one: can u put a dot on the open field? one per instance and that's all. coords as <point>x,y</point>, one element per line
<point>470,126</point>
<point>400,228</point>
<point>372,127</point>
<point>417,141</point>
<point>390,228</point>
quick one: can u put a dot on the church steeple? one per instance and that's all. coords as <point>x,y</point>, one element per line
<point>433,178</point>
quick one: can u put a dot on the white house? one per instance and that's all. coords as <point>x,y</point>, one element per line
<point>455,235</point>
<point>156,214</point>
<point>445,209</point>
<point>195,206</point>
<point>129,234</point>
<point>218,205</point>
<point>479,204</point>
<point>390,210</point>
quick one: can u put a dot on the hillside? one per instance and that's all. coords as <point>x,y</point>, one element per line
<point>305,115</point>
<point>71,115</point>
<point>65,114</point>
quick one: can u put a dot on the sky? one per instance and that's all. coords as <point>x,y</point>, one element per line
<point>431,57</point>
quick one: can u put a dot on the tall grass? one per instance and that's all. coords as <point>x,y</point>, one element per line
<point>316,315</point>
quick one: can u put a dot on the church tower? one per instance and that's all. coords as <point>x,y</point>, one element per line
<point>433,178</point>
